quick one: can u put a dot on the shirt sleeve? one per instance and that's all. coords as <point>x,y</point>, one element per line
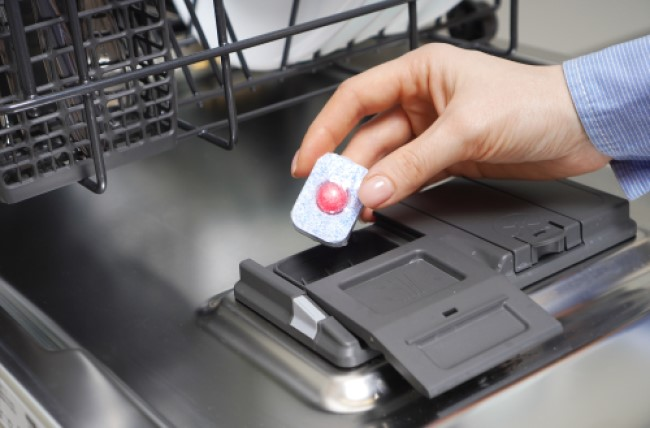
<point>611,93</point>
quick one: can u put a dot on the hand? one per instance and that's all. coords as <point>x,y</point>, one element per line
<point>442,111</point>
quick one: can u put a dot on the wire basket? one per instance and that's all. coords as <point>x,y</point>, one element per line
<point>55,127</point>
<point>86,85</point>
<point>207,73</point>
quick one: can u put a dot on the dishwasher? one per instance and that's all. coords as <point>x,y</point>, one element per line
<point>177,293</point>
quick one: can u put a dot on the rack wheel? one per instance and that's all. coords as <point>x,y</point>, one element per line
<point>478,21</point>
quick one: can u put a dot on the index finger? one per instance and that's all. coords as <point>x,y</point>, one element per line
<point>370,92</point>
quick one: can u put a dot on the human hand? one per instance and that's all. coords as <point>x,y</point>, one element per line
<point>442,111</point>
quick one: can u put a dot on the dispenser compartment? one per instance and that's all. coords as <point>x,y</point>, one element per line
<point>435,285</point>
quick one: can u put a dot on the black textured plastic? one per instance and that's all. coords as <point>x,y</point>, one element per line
<point>435,285</point>
<point>46,49</point>
<point>273,298</point>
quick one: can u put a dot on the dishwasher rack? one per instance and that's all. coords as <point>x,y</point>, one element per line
<point>86,85</point>
<point>79,91</point>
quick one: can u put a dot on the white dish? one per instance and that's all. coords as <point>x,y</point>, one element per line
<point>350,30</point>
<point>303,46</point>
<point>380,22</point>
<point>428,11</point>
<point>251,18</point>
<point>275,16</point>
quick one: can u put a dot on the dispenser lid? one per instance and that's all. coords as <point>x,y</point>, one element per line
<point>436,283</point>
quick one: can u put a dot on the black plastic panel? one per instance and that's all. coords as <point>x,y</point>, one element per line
<point>289,308</point>
<point>547,226</point>
<point>322,261</point>
<point>444,304</point>
<point>437,317</point>
<point>527,230</point>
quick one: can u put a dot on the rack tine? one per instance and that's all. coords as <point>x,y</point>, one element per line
<point>413,25</point>
<point>240,53</point>
<point>287,43</point>
<point>186,70</point>
<point>203,134</point>
<point>194,19</point>
<point>514,29</point>
<point>99,185</point>
<point>19,40</point>
<point>227,75</point>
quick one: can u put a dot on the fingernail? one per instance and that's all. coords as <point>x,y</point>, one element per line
<point>375,191</point>
<point>294,163</point>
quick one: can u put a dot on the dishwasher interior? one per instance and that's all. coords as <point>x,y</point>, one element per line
<point>132,309</point>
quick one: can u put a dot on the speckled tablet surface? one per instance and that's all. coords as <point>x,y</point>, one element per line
<point>328,206</point>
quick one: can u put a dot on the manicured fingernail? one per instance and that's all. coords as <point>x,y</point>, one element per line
<point>294,163</point>
<point>375,191</point>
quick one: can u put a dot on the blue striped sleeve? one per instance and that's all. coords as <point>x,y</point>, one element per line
<point>611,93</point>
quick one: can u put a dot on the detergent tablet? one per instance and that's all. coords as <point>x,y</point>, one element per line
<point>328,206</point>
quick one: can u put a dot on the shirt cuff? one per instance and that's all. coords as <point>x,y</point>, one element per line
<point>611,93</point>
<point>633,177</point>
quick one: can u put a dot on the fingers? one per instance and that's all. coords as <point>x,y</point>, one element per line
<point>411,166</point>
<point>367,215</point>
<point>380,136</point>
<point>376,90</point>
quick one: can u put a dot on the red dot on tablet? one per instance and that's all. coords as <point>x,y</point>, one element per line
<point>331,198</point>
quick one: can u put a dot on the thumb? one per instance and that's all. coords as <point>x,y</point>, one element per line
<point>410,167</point>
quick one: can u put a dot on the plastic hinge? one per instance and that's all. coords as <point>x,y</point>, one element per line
<point>289,308</point>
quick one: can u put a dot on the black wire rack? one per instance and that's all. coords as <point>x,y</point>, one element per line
<point>86,85</point>
<point>81,90</point>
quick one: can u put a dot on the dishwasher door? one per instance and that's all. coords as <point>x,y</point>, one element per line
<point>103,306</point>
<point>109,288</point>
